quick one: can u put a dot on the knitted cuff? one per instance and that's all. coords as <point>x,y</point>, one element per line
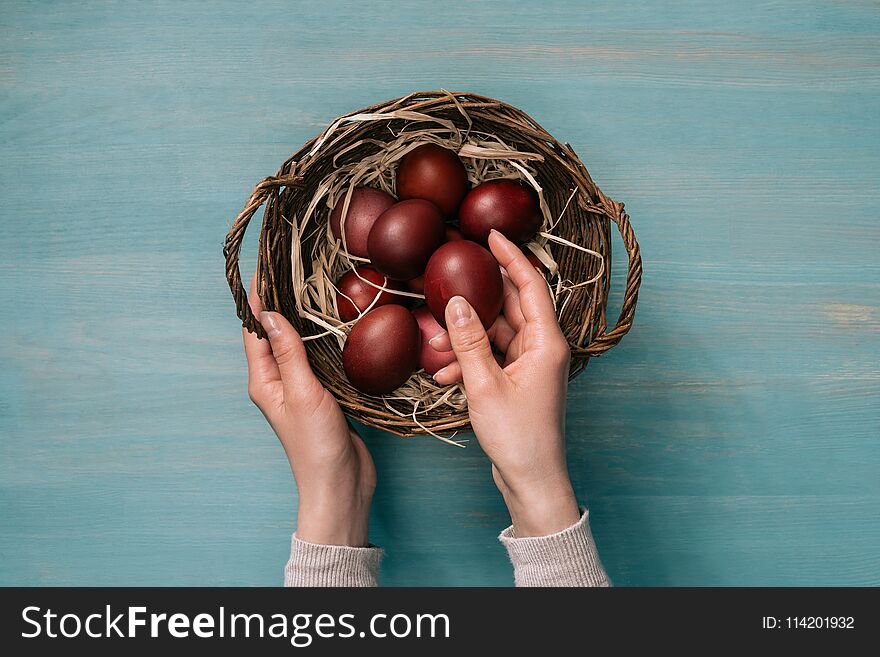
<point>566,558</point>
<point>331,565</point>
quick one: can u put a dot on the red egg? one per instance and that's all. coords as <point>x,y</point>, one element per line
<point>453,234</point>
<point>431,360</point>
<point>435,174</point>
<point>508,206</point>
<point>464,268</point>
<point>382,350</point>
<point>364,208</point>
<point>355,295</point>
<point>536,262</point>
<point>417,284</point>
<point>404,237</point>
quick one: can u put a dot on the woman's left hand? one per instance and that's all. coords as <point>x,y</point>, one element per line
<point>334,471</point>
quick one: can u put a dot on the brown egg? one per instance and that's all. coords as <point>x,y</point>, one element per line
<point>364,208</point>
<point>417,284</point>
<point>355,295</point>
<point>464,268</point>
<point>508,206</point>
<point>536,262</point>
<point>435,174</point>
<point>382,350</point>
<point>404,237</point>
<point>430,360</point>
<point>453,234</point>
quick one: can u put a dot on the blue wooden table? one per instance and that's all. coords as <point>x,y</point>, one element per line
<point>732,438</point>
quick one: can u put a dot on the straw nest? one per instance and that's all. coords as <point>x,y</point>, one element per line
<point>299,261</point>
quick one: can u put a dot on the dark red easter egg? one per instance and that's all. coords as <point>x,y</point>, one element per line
<point>508,206</point>
<point>355,294</point>
<point>453,234</point>
<point>464,268</point>
<point>417,284</point>
<point>364,208</point>
<point>430,360</point>
<point>536,262</point>
<point>435,174</point>
<point>404,237</point>
<point>382,350</point>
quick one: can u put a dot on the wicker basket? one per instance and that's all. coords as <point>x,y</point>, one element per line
<point>296,245</point>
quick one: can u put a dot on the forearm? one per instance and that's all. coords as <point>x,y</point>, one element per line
<point>565,558</point>
<point>313,565</point>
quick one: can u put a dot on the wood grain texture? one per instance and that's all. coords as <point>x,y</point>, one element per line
<point>732,438</point>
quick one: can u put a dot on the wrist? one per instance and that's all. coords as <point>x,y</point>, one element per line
<point>334,521</point>
<point>542,509</point>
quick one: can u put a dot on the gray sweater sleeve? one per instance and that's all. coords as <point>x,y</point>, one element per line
<point>567,558</point>
<point>311,564</point>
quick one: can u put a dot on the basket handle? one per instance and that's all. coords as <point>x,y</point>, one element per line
<point>232,246</point>
<point>608,339</point>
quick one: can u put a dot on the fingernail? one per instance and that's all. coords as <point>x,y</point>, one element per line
<point>270,324</point>
<point>461,311</point>
<point>439,372</point>
<point>436,339</point>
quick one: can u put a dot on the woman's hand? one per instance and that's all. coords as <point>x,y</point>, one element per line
<point>518,409</point>
<point>334,472</point>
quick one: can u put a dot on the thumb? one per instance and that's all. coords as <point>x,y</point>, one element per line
<point>289,351</point>
<point>470,344</point>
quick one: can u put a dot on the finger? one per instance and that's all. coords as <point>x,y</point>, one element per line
<point>513,351</point>
<point>534,296</point>
<point>254,300</point>
<point>449,374</point>
<point>452,372</point>
<point>501,334</point>
<point>512,319</point>
<point>261,364</point>
<point>290,354</point>
<point>470,344</point>
<point>441,342</point>
<point>512,310</point>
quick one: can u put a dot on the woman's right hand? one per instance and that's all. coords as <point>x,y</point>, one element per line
<point>518,410</point>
